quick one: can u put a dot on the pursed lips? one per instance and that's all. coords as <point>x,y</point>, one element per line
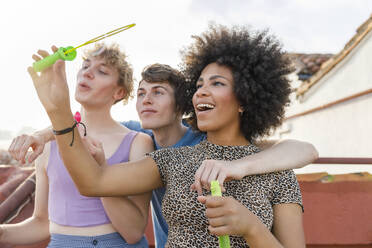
<point>84,85</point>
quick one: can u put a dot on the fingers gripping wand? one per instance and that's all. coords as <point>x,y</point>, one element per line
<point>216,191</point>
<point>69,53</point>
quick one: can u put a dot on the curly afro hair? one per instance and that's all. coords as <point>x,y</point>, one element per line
<point>259,69</point>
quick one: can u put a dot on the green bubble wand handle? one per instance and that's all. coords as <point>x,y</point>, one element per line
<point>224,240</point>
<point>69,53</point>
<point>51,59</point>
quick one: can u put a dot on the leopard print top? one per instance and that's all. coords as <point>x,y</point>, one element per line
<point>188,226</point>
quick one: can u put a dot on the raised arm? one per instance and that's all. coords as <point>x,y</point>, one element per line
<point>36,228</point>
<point>275,156</point>
<point>90,178</point>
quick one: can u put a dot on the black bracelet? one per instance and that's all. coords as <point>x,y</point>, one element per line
<point>70,129</point>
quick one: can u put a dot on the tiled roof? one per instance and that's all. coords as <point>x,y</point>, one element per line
<point>307,64</point>
<point>12,190</point>
<point>361,33</point>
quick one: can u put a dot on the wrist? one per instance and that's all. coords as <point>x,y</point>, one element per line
<point>240,169</point>
<point>43,135</point>
<point>61,119</point>
<point>254,230</point>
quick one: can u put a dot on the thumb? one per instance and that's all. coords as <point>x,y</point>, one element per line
<point>35,153</point>
<point>202,199</point>
<point>32,73</point>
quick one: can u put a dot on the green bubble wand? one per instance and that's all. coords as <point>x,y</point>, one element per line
<point>224,241</point>
<point>69,53</point>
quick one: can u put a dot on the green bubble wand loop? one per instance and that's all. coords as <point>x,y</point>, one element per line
<point>69,53</point>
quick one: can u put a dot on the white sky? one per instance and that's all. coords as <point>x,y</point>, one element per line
<point>163,28</point>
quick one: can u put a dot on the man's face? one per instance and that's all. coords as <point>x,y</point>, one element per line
<point>156,105</point>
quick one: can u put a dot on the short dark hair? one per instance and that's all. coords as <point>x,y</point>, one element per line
<point>165,73</point>
<point>259,69</point>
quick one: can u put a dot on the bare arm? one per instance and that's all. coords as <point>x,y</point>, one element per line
<point>283,155</point>
<point>276,156</point>
<point>288,225</point>
<point>35,228</point>
<point>129,214</point>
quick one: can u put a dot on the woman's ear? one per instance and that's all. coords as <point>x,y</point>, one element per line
<point>119,94</point>
<point>241,110</point>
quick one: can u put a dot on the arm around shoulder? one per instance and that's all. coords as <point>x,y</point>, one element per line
<point>294,152</point>
<point>278,156</point>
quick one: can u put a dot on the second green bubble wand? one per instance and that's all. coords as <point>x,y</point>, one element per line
<point>224,241</point>
<point>69,53</point>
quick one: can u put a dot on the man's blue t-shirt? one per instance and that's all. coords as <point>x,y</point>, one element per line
<point>190,138</point>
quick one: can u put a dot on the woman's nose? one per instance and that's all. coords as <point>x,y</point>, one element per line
<point>88,73</point>
<point>202,91</point>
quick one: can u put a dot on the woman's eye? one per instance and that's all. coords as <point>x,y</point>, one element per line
<point>198,86</point>
<point>103,72</point>
<point>140,94</point>
<point>217,83</point>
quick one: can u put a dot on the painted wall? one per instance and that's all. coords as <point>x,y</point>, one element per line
<point>344,130</point>
<point>338,213</point>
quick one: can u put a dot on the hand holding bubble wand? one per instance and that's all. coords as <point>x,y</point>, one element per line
<point>224,241</point>
<point>69,53</point>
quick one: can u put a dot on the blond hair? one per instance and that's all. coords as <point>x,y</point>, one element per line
<point>114,57</point>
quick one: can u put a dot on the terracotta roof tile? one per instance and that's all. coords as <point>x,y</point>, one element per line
<point>361,33</point>
<point>308,64</point>
<point>10,178</point>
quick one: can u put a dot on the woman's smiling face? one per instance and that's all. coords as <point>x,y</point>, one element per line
<point>214,101</point>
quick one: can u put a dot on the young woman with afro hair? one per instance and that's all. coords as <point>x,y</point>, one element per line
<point>238,88</point>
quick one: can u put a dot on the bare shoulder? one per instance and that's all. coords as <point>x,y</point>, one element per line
<point>141,145</point>
<point>143,139</point>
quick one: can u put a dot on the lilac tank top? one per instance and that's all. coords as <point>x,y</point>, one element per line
<point>66,205</point>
